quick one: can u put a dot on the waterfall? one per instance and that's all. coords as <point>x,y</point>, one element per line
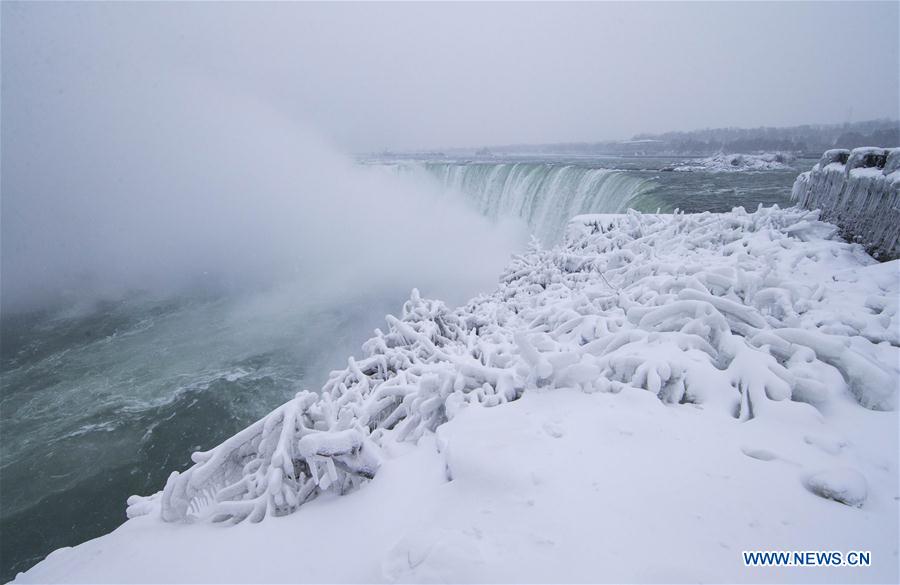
<point>544,195</point>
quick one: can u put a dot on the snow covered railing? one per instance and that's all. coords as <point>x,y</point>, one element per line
<point>860,192</point>
<point>739,312</point>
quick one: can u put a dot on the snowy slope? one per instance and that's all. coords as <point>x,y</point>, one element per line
<point>642,403</point>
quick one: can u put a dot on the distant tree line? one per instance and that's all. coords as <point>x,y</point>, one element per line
<point>797,139</point>
<point>810,140</point>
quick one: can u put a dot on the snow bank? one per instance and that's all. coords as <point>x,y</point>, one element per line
<point>726,163</point>
<point>714,382</point>
<point>860,192</point>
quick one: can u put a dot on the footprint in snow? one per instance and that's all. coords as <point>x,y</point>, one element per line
<point>829,445</point>
<point>761,454</point>
<point>436,557</point>
<point>553,429</point>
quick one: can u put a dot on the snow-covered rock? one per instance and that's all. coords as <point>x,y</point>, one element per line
<point>860,192</point>
<point>846,486</point>
<point>676,379</point>
<point>728,163</point>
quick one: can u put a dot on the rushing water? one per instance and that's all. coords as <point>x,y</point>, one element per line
<point>106,402</point>
<point>103,402</point>
<point>545,193</point>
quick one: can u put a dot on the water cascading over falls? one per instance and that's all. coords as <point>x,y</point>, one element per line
<point>545,195</point>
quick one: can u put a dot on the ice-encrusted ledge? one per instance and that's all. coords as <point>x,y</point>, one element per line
<point>858,190</point>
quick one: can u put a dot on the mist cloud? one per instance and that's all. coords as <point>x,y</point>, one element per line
<point>196,186</point>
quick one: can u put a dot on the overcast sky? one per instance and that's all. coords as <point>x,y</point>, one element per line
<point>404,76</point>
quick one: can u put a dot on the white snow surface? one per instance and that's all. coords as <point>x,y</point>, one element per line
<point>729,163</point>
<point>641,403</point>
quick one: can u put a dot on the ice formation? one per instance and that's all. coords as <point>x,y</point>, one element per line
<point>858,190</point>
<point>758,316</point>
<point>726,163</point>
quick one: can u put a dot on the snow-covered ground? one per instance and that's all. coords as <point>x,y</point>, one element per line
<point>642,403</point>
<point>726,163</point>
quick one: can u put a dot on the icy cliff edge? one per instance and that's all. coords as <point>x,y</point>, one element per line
<point>706,309</point>
<point>858,190</point>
